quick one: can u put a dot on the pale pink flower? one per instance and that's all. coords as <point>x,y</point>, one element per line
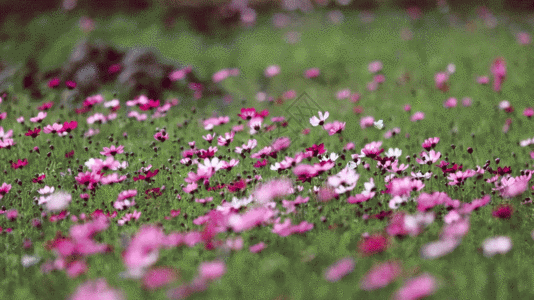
<point>483,79</point>
<point>496,245</point>
<point>375,66</point>
<point>439,248</point>
<point>212,270</point>
<point>343,94</point>
<point>159,277</point>
<point>272,71</point>
<point>417,116</point>
<point>335,127</point>
<point>57,201</point>
<point>466,102</point>
<point>339,269</point>
<point>523,38</point>
<point>96,289</point>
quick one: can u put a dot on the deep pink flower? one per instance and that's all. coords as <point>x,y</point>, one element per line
<point>441,79</point>
<point>54,83</point>
<point>373,244</point>
<point>450,103</point>
<point>257,247</point>
<point>528,112</point>
<point>33,133</point>
<point>19,163</point>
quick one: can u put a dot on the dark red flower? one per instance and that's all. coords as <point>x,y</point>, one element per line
<point>114,69</point>
<point>33,133</point>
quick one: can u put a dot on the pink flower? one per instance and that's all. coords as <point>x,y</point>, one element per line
<point>528,112</point>
<point>343,94</point>
<point>498,69</point>
<point>40,117</point>
<point>523,38</point>
<point>513,186</point>
<point>466,102</point>
<point>312,73</point>
<point>161,136</point>
<point>417,116</point>
<point>441,79</point>
<point>335,127</point>
<point>496,245</point>
<point>450,103</point>
<point>4,189</point>
<point>220,75</point>
<point>211,270</point>
<point>272,71</point>
<point>339,269</point>
<point>375,66</point>
<point>159,277</point>
<point>96,289</point>
<point>416,288</point>
<point>380,276</point>
<point>257,247</point>
<point>366,122</point>
<point>407,107</point>
<point>483,79</point>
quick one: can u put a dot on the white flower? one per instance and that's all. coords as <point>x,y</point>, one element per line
<point>276,166</point>
<point>314,121</point>
<point>396,201</point>
<point>451,68</point>
<point>394,152</point>
<point>379,124</point>
<point>29,260</point>
<point>333,156</point>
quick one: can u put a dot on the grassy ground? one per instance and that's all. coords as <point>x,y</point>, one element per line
<point>285,268</point>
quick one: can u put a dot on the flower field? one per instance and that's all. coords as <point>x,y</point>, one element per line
<point>351,155</point>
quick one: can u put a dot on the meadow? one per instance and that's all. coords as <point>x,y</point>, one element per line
<point>355,155</point>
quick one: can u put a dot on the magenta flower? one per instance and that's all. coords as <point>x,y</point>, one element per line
<point>339,269</point>
<point>380,276</point>
<point>416,288</point>
<point>503,212</point>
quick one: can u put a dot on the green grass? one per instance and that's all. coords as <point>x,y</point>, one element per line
<point>342,52</point>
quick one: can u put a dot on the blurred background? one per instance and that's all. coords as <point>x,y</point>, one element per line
<point>133,46</point>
